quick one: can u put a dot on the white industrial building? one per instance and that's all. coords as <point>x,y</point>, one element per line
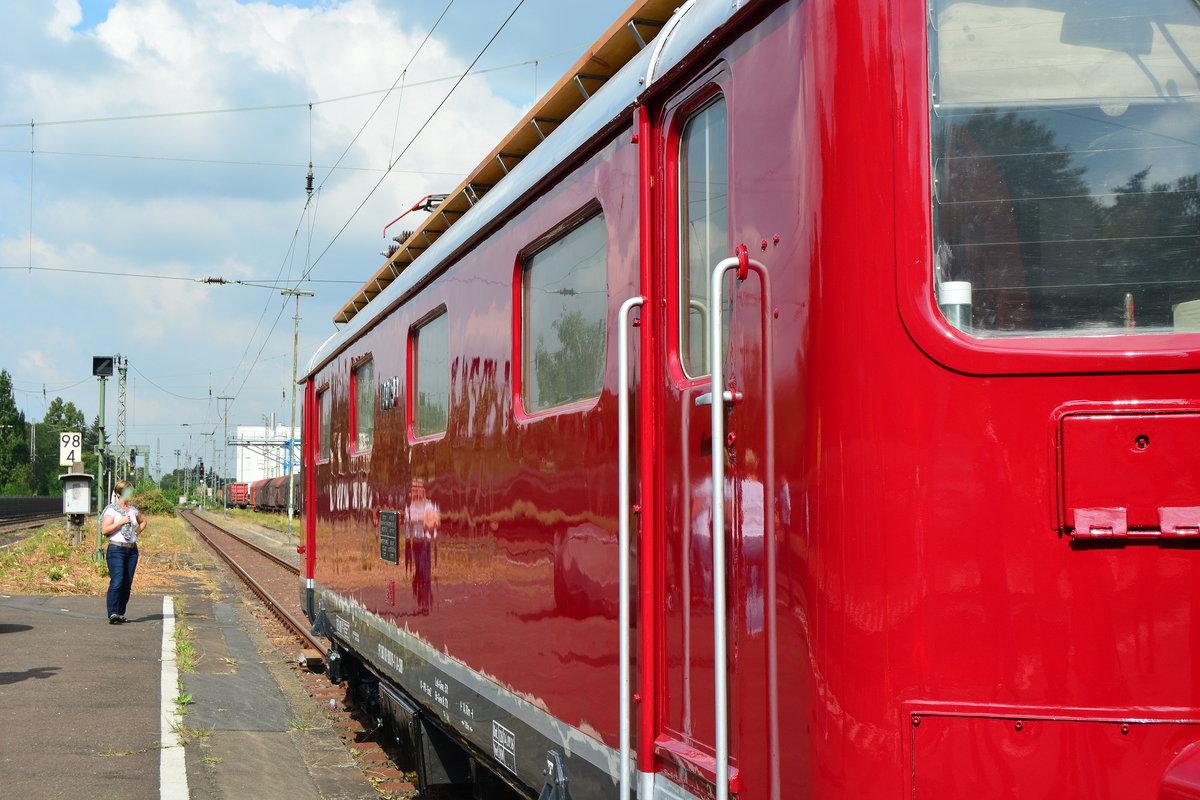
<point>262,451</point>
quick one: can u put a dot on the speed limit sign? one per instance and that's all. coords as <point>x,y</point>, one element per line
<point>70,448</point>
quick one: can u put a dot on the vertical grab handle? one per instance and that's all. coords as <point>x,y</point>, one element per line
<point>716,350</point>
<point>624,537</point>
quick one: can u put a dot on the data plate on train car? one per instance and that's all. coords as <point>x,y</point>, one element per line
<point>389,540</point>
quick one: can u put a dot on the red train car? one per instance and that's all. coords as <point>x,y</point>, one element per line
<point>271,494</point>
<point>813,414</point>
<point>258,496</point>
<point>237,494</point>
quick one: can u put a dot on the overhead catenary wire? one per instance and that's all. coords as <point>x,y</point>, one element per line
<point>266,305</point>
<point>309,201</point>
<point>308,204</point>
<point>228,162</point>
<point>415,136</point>
<point>162,389</point>
<point>282,106</point>
<point>388,92</point>
<point>149,276</point>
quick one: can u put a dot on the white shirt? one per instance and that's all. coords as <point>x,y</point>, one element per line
<point>127,533</point>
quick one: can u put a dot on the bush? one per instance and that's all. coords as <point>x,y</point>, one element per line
<point>149,499</point>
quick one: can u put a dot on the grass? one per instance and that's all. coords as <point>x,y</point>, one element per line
<point>46,563</point>
<point>112,751</point>
<point>185,652</point>
<point>187,734</point>
<point>276,522</point>
<point>298,724</point>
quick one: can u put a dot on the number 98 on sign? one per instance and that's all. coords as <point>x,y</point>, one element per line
<point>70,448</point>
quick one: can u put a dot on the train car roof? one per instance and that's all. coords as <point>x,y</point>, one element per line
<point>690,24</point>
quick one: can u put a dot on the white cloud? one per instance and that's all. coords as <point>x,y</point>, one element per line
<point>67,14</point>
<point>152,56</point>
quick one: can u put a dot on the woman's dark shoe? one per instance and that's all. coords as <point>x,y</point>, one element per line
<point>122,619</point>
<point>113,619</point>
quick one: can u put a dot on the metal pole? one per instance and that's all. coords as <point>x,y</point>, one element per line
<point>720,648</point>
<point>100,501</point>
<point>292,439</point>
<point>122,448</point>
<point>625,681</point>
<point>225,459</point>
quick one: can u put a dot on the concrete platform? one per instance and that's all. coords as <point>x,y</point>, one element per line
<point>74,688</point>
<point>82,708</point>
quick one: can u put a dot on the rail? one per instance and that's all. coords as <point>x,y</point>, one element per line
<point>625,538</point>
<point>205,527</point>
<point>290,567</point>
<point>720,398</point>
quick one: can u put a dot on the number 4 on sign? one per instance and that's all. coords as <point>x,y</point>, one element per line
<point>70,448</point>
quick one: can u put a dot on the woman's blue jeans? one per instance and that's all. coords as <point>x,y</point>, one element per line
<point>122,563</point>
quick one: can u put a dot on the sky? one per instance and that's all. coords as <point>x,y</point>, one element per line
<point>156,195</point>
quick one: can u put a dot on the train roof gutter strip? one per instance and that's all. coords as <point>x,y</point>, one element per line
<point>694,21</point>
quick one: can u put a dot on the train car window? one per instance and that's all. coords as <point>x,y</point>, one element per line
<point>324,408</point>
<point>430,402</point>
<point>564,322</point>
<point>363,406</point>
<point>1066,166</point>
<point>704,226</point>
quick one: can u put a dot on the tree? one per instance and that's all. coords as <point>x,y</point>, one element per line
<point>64,416</point>
<point>16,474</point>
<point>575,370</point>
<point>60,416</point>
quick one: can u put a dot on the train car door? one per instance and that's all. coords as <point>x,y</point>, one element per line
<point>696,209</point>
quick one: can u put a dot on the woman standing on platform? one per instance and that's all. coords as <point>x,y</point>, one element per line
<point>121,523</point>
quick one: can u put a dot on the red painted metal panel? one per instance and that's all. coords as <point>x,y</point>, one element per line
<point>998,758</point>
<point>1143,463</point>
<point>311,421</point>
<point>648,544</point>
<point>1182,781</point>
<point>520,504</point>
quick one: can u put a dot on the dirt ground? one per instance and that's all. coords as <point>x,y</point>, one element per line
<point>47,563</point>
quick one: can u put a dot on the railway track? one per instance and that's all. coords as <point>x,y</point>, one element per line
<point>18,512</point>
<point>9,524</point>
<point>273,579</point>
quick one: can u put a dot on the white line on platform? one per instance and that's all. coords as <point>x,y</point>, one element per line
<point>172,766</point>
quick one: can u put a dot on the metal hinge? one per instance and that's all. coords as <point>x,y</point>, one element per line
<point>1175,522</point>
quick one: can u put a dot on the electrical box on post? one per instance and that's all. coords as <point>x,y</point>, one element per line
<point>77,492</point>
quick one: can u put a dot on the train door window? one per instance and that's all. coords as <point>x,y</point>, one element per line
<point>324,409</point>
<point>703,226</point>
<point>1066,166</point>
<point>429,403</point>
<point>564,319</point>
<point>362,406</point>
